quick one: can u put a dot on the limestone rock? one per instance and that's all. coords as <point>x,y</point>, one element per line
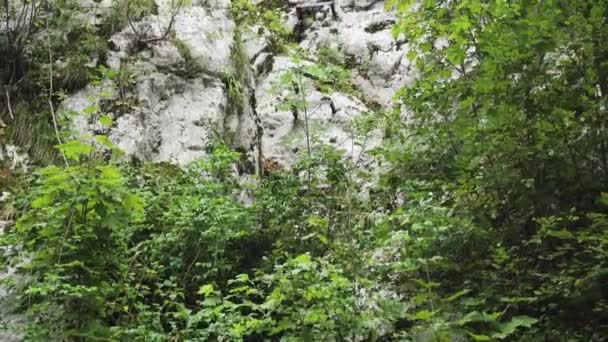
<point>208,33</point>
<point>330,117</point>
<point>363,35</point>
<point>179,101</point>
<point>14,157</point>
<point>189,121</point>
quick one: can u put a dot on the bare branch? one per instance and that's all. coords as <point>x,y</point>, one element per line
<point>8,103</point>
<point>7,15</point>
<point>131,21</point>
<point>165,33</point>
<point>33,15</point>
<point>51,106</point>
<point>20,22</point>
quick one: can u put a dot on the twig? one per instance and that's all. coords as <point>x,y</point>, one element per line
<point>48,40</point>
<point>131,21</point>
<point>8,103</point>
<point>303,99</point>
<point>8,20</point>
<point>164,35</point>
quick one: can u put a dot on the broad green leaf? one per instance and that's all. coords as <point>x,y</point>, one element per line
<point>134,203</point>
<point>476,316</point>
<point>75,149</point>
<point>507,329</point>
<point>102,139</point>
<point>458,294</point>
<point>560,234</point>
<point>476,337</point>
<point>424,315</point>
<point>91,110</point>
<point>206,290</point>
<point>106,120</point>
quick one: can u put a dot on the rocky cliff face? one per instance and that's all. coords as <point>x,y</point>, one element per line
<point>178,99</point>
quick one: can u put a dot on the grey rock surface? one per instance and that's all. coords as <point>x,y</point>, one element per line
<point>330,118</point>
<point>14,157</point>
<point>180,101</point>
<point>362,33</point>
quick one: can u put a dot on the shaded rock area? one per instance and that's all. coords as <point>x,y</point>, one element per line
<point>13,158</point>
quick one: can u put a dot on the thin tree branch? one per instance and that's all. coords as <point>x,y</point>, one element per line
<point>50,95</point>
<point>164,35</point>
<point>7,14</point>
<point>131,21</point>
<point>303,99</point>
<point>33,15</point>
<point>20,22</point>
<point>8,103</point>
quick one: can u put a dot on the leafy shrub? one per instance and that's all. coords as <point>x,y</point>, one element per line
<point>69,245</point>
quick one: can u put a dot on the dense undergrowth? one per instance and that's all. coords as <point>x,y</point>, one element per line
<point>487,220</point>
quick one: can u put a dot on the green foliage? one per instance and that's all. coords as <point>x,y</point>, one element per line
<point>332,56</point>
<point>187,237</point>
<point>74,74</point>
<point>70,244</point>
<point>234,90</point>
<point>239,75</point>
<point>504,149</point>
<point>329,77</point>
<point>485,220</point>
<point>303,299</point>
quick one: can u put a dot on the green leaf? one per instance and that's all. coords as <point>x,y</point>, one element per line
<point>604,198</point>
<point>303,259</point>
<point>424,315</point>
<point>106,95</point>
<point>507,329</point>
<point>458,294</point>
<point>110,175</point>
<point>283,325</point>
<point>102,139</point>
<point>560,234</point>
<point>206,290</point>
<point>134,203</point>
<point>91,109</point>
<point>42,202</point>
<point>517,299</point>
<point>75,149</point>
<point>106,120</point>
<point>314,316</point>
<point>421,298</point>
<point>476,316</point>
<point>242,278</point>
<point>476,337</point>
